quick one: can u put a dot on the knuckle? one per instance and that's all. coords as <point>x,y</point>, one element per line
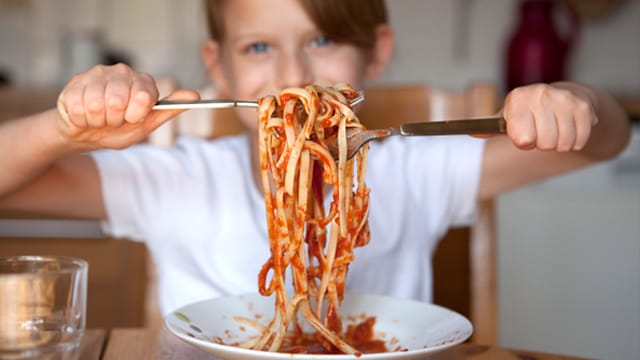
<point>120,67</point>
<point>540,89</point>
<point>583,108</point>
<point>518,93</point>
<point>98,69</point>
<point>146,77</point>
<point>95,107</point>
<point>144,98</point>
<point>551,95</point>
<point>545,94</point>
<point>116,104</point>
<point>564,94</point>
<point>148,83</point>
<point>76,78</point>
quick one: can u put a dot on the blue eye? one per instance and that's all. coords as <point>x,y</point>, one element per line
<point>321,41</point>
<point>259,47</point>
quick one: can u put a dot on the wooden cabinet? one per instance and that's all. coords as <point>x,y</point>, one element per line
<point>16,102</point>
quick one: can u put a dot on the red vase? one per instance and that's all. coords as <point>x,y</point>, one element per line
<point>536,51</point>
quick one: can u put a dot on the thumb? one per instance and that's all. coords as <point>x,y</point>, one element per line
<point>159,117</point>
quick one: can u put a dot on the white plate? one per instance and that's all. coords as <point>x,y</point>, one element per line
<point>420,328</point>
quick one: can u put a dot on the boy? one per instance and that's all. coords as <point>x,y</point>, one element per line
<point>198,206</point>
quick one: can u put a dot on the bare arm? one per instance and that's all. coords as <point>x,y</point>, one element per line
<point>43,164</point>
<point>41,176</point>
<point>552,129</point>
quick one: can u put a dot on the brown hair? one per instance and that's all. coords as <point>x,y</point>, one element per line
<point>343,21</point>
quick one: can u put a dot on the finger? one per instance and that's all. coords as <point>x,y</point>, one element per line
<point>72,101</point>
<point>546,129</point>
<point>159,117</point>
<point>520,127</point>
<point>61,106</point>
<point>116,97</point>
<point>566,124</point>
<point>144,93</point>
<point>94,93</point>
<point>585,119</point>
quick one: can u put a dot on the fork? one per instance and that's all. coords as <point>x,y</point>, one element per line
<point>223,104</point>
<point>356,137</point>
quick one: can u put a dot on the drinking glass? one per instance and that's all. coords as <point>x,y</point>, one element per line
<point>42,307</point>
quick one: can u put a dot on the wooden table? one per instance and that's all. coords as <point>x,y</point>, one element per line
<point>137,343</point>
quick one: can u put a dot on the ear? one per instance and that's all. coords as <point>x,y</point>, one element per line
<point>212,58</point>
<point>381,53</point>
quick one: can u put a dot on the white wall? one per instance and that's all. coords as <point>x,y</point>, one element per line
<point>164,37</point>
<point>161,37</point>
<point>569,263</point>
<point>569,260</point>
<point>607,55</point>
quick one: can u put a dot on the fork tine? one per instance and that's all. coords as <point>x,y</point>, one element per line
<point>356,138</point>
<point>358,99</point>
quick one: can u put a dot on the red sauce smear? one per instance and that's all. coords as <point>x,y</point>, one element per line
<point>361,336</point>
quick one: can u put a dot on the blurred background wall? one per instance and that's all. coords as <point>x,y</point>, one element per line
<point>569,247</point>
<point>443,42</point>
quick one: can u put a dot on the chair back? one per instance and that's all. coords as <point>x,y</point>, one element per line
<point>464,264</point>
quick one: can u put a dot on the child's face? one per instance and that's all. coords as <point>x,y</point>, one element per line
<point>272,46</point>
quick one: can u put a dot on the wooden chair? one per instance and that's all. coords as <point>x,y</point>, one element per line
<point>465,261</point>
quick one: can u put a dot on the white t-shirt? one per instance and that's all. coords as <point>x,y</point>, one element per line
<point>197,208</point>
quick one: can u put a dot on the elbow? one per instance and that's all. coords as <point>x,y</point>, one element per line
<point>625,140</point>
<point>611,142</point>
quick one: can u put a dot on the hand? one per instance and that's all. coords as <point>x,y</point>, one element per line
<point>556,117</point>
<point>111,107</point>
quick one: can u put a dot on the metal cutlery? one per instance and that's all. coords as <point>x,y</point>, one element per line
<point>356,137</point>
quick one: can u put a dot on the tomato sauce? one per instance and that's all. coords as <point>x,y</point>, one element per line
<point>361,336</point>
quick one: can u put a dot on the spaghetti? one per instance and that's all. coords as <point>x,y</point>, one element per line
<point>296,169</point>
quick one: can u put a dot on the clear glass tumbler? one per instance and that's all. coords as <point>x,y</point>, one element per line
<point>42,307</point>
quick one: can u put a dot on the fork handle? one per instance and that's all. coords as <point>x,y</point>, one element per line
<point>484,125</point>
<point>222,104</point>
<point>202,104</point>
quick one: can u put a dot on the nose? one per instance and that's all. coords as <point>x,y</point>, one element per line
<point>294,69</point>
